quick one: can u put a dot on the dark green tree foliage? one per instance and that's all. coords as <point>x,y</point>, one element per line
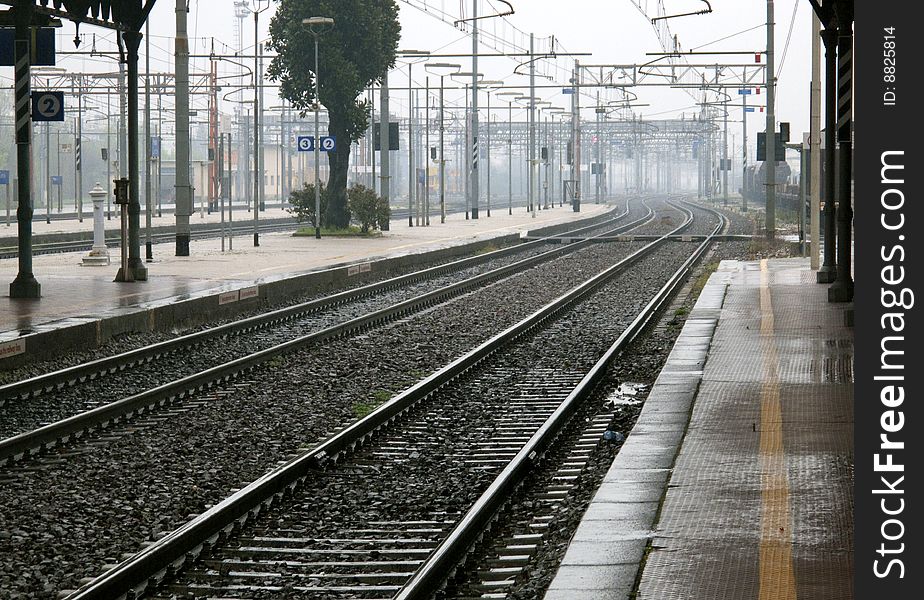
<point>356,52</point>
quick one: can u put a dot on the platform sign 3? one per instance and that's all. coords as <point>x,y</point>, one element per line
<point>47,106</point>
<point>4,177</point>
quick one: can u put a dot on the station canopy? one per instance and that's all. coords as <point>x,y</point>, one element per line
<point>122,15</point>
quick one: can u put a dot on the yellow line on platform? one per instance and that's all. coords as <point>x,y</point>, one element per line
<point>777,581</point>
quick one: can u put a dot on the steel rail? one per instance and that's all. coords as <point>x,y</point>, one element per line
<point>170,553</point>
<point>33,442</point>
<point>48,382</point>
<point>433,572</point>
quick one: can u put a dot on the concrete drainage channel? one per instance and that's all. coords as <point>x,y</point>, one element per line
<point>215,525</point>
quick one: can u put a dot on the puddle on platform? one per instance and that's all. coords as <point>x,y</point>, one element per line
<point>627,394</point>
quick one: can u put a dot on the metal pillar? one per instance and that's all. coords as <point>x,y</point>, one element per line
<point>385,144</point>
<point>148,249</point>
<point>138,271</point>
<point>770,222</point>
<point>744,150</point>
<point>815,144</point>
<point>411,179</point>
<point>487,158</point>
<point>531,156</point>
<point>25,284</point>
<point>726,167</point>
<point>510,157</point>
<point>828,269</point>
<point>473,151</point>
<point>184,196</point>
<point>442,158</point>
<point>257,124</point>
<point>599,158</point>
<point>842,290</point>
<point>576,139</point>
<point>317,144</point>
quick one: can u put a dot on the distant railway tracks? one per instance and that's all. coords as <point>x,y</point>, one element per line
<point>389,506</point>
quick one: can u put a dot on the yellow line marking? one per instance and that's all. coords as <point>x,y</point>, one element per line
<point>777,580</point>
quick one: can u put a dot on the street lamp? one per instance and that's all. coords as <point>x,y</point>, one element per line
<point>514,96</point>
<point>313,24</point>
<point>441,71</point>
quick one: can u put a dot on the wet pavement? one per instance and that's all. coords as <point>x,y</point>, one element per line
<point>758,501</point>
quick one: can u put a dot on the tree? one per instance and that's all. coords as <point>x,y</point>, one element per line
<point>356,52</point>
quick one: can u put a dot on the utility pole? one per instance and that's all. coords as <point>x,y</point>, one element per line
<point>474,148</point>
<point>770,225</point>
<point>184,199</point>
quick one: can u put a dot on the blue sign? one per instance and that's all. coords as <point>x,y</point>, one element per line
<point>745,92</point>
<point>306,143</point>
<point>155,147</point>
<point>56,180</point>
<point>42,47</point>
<point>47,106</point>
<point>567,90</point>
<point>748,109</point>
<point>4,177</point>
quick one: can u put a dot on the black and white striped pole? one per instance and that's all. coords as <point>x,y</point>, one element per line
<point>25,285</point>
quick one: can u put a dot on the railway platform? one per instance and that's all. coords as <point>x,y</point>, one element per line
<point>81,306</point>
<point>736,482</point>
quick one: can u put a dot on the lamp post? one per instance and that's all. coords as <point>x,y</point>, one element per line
<point>514,96</point>
<point>313,24</point>
<point>441,67</point>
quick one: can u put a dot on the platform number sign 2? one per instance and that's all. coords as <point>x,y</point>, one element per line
<point>47,106</point>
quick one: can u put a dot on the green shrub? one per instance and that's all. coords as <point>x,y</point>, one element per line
<point>367,209</point>
<point>303,204</point>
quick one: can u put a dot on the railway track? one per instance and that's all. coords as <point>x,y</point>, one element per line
<point>445,454</point>
<point>98,393</point>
